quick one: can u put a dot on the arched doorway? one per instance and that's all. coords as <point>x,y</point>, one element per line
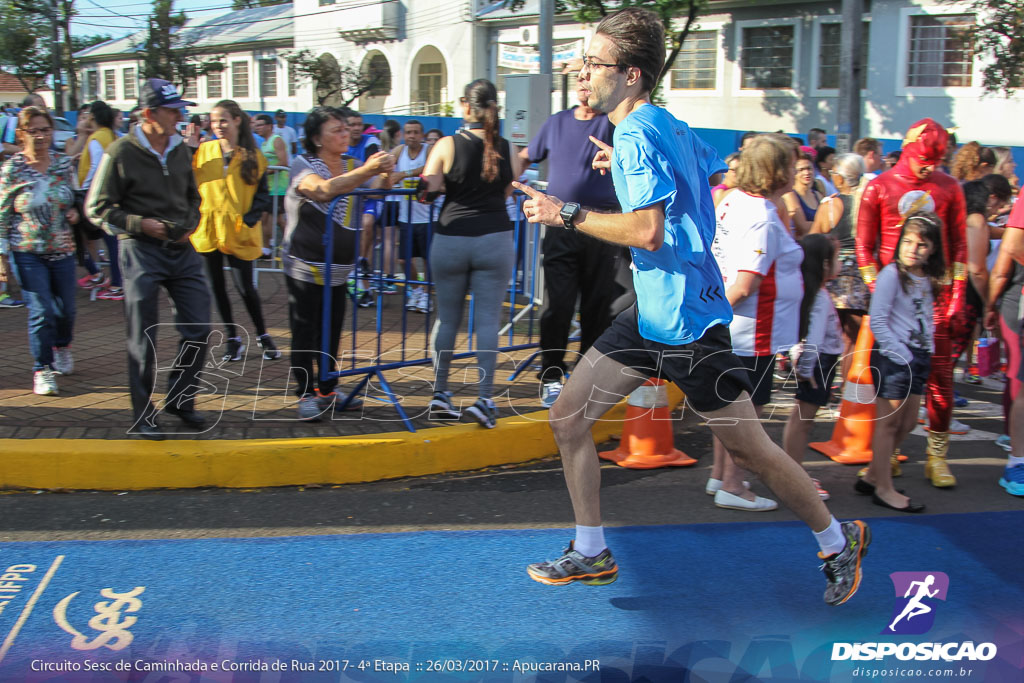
<point>376,69</point>
<point>429,83</point>
<point>328,82</point>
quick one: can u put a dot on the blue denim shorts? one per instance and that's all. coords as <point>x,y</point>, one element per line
<point>896,380</point>
<point>824,374</point>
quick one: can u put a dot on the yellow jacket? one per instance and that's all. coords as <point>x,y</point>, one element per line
<point>104,136</point>
<point>225,199</point>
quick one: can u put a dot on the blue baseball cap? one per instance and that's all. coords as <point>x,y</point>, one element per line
<point>157,92</point>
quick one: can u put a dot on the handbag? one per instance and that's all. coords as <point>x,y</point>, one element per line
<point>988,358</point>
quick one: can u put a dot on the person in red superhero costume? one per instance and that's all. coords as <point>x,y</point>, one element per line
<point>916,184</point>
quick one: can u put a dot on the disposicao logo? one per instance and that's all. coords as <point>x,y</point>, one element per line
<point>917,596</point>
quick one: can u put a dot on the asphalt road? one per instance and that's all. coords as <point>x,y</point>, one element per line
<point>526,496</point>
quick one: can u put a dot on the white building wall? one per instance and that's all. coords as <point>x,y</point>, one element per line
<point>439,24</point>
<point>889,107</point>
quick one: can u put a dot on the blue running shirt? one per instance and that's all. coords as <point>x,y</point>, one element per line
<point>679,291</point>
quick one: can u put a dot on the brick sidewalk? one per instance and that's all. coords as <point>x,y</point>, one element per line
<point>253,396</point>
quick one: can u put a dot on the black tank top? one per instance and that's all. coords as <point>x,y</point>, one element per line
<point>473,206</point>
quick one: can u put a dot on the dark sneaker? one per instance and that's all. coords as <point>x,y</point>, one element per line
<point>843,569</point>
<point>270,352</point>
<point>441,407</point>
<point>484,412</point>
<point>594,571</point>
<point>366,299</point>
<point>235,349</point>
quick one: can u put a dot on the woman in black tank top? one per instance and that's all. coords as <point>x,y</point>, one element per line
<point>472,249</point>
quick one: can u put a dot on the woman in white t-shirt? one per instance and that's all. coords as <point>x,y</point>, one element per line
<point>760,264</point>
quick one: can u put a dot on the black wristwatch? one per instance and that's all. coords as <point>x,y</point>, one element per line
<point>568,213</point>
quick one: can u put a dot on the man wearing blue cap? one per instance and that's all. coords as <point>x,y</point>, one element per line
<point>145,194</point>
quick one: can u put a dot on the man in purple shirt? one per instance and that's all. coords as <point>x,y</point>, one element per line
<point>575,263</point>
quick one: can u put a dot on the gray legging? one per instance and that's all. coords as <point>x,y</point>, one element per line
<point>459,265</point>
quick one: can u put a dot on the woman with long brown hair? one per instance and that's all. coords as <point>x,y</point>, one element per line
<point>231,175</point>
<point>472,249</point>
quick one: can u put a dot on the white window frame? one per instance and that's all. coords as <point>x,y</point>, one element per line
<point>816,50</point>
<point>277,76</point>
<point>112,95</point>
<point>719,88</point>
<point>231,79</point>
<point>133,81</point>
<point>206,85</point>
<point>737,72</point>
<point>903,54</point>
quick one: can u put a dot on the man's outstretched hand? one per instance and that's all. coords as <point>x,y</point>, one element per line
<point>540,207</point>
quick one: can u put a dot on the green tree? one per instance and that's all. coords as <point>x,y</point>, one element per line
<point>678,16</point>
<point>25,46</point>
<point>997,37</point>
<point>334,83</point>
<point>170,53</point>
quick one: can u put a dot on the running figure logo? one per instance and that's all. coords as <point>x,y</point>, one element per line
<point>916,593</point>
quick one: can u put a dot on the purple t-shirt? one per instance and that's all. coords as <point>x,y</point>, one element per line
<point>563,140</point>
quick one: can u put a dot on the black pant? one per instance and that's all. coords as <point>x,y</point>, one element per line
<point>148,267</point>
<point>576,264</point>
<point>305,305</point>
<point>241,272</point>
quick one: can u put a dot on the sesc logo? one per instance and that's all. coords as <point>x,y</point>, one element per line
<point>916,597</point>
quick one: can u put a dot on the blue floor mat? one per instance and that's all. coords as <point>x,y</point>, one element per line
<point>730,602</point>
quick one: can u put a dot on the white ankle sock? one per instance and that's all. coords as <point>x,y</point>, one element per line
<point>589,540</point>
<point>831,540</point>
<point>1013,462</point>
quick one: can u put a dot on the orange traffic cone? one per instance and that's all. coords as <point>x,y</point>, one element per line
<point>851,438</point>
<point>647,441</point>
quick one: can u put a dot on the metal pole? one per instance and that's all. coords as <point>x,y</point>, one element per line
<point>546,30</point>
<point>850,69</point>
<point>58,89</point>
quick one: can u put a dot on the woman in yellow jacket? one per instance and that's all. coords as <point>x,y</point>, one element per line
<point>231,174</point>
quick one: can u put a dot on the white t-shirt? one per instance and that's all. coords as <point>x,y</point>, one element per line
<point>289,136</point>
<point>420,212</point>
<point>751,237</point>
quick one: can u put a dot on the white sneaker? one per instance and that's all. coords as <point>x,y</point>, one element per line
<point>63,362</point>
<point>724,499</point>
<point>550,393</point>
<point>44,383</point>
<point>714,485</point>
<point>413,302</point>
<point>425,305</point>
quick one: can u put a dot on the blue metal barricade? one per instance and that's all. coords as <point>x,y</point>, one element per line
<point>522,291</point>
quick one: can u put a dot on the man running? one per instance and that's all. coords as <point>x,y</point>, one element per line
<point>678,328</point>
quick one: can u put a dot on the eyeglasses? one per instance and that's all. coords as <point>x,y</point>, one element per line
<point>37,132</point>
<point>589,63</point>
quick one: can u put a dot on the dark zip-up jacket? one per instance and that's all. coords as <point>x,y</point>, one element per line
<point>133,183</point>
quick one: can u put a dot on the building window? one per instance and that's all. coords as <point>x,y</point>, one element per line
<point>293,79</point>
<point>379,71</point>
<point>268,77</point>
<point>191,89</point>
<point>828,56</point>
<point>694,67</point>
<point>240,80</point>
<point>767,58</point>
<point>131,90</point>
<point>214,85</point>
<point>941,54</point>
<point>428,91</point>
<point>92,85</point>
<point>109,84</point>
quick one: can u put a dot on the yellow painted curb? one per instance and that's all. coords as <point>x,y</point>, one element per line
<point>125,465</point>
